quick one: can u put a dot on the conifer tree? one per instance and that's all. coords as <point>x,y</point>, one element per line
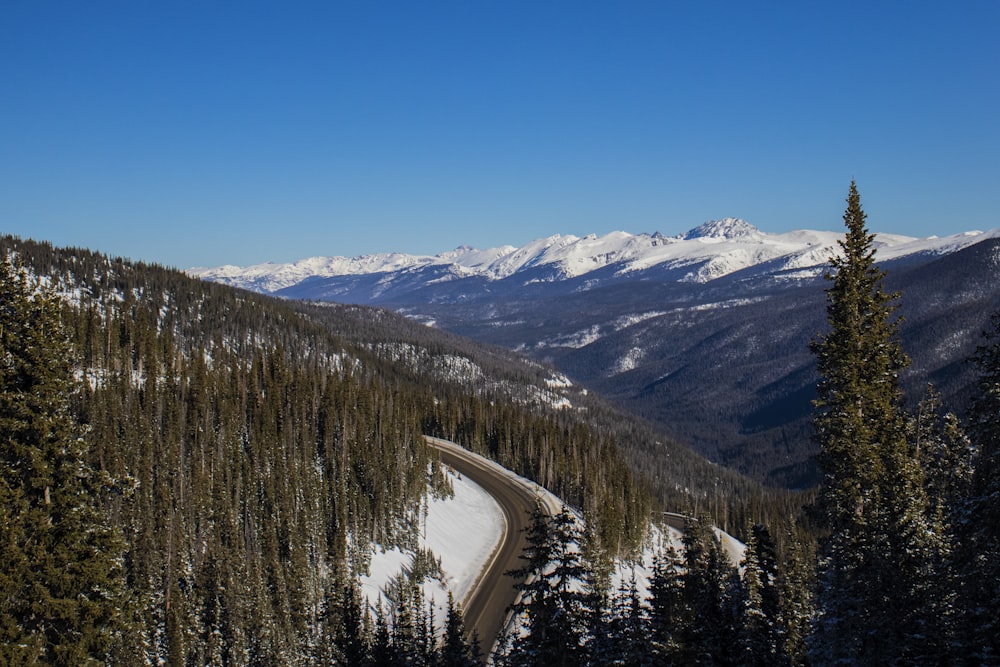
<point>455,650</point>
<point>628,642</point>
<point>61,582</point>
<point>979,554</point>
<point>350,635</point>
<point>759,630</point>
<point>665,601</point>
<point>875,564</point>
<point>383,653</point>
<point>708,625</point>
<point>945,456</point>
<point>796,583</point>
<point>551,602</point>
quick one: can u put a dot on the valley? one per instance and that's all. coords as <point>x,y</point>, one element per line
<point>704,335</point>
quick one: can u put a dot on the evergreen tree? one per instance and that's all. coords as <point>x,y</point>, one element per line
<point>350,635</point>
<point>665,601</point>
<point>551,602</point>
<point>383,653</point>
<point>796,582</point>
<point>979,525</point>
<point>945,455</point>
<point>61,581</point>
<point>455,650</point>
<point>627,642</point>
<point>759,629</point>
<point>708,627</point>
<point>875,565</point>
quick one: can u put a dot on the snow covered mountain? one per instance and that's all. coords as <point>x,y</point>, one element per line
<point>710,251</point>
<point>706,334</point>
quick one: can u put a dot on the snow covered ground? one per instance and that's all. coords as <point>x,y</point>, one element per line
<point>462,531</point>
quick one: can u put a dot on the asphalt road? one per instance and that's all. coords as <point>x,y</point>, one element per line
<point>485,607</point>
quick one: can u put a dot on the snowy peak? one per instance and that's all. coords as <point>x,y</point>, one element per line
<point>712,250</point>
<point>725,229</point>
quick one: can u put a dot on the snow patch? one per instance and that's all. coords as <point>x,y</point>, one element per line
<point>462,531</point>
<point>627,362</point>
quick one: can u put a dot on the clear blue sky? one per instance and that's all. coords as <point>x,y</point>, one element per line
<point>204,133</point>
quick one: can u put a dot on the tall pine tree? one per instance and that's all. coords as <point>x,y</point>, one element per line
<point>61,583</point>
<point>874,568</point>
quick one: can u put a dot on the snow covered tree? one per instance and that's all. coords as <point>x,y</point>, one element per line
<point>351,634</point>
<point>620,628</point>
<point>382,652</point>
<point>945,455</point>
<point>875,565</point>
<point>759,632</point>
<point>61,579</point>
<point>796,582</point>
<point>552,602</point>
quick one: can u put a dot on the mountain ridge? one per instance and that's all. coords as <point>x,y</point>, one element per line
<point>712,250</point>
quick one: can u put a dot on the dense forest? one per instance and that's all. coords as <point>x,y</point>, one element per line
<point>191,474</point>
<point>678,478</point>
<point>241,458</point>
<point>249,457</point>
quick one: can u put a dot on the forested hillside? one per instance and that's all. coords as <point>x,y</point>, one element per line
<point>251,459</point>
<point>251,454</point>
<point>485,415</point>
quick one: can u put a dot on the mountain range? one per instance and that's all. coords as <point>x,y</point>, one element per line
<point>706,333</point>
<point>710,251</point>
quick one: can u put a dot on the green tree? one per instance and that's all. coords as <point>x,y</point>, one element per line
<point>61,582</point>
<point>666,604</point>
<point>978,555</point>
<point>796,583</point>
<point>759,631</point>
<point>875,564</point>
<point>709,619</point>
<point>455,650</point>
<point>551,601</point>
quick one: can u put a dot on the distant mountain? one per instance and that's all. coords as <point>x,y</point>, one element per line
<point>710,251</point>
<point>705,333</point>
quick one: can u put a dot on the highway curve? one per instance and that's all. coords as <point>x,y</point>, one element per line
<point>486,604</point>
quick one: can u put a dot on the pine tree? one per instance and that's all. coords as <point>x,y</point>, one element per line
<point>875,564</point>
<point>665,601</point>
<point>551,603</point>
<point>61,582</point>
<point>796,583</point>
<point>455,650</point>
<point>350,635</point>
<point>759,630</point>
<point>383,654</point>
<point>627,643</point>
<point>978,560</point>
<point>709,619</point>
<point>945,455</point>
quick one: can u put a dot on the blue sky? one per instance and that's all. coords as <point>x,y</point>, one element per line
<point>205,133</point>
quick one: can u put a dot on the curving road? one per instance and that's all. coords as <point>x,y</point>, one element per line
<point>485,606</point>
